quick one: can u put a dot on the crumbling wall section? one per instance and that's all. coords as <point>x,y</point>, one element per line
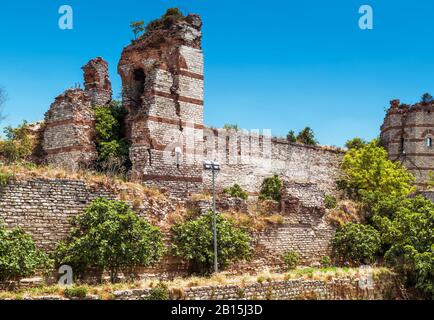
<point>162,79</point>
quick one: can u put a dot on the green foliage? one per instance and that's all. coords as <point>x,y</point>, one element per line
<point>19,256</point>
<point>113,150</point>
<point>18,145</point>
<point>355,143</point>
<point>326,262</point>
<point>431,179</point>
<point>426,98</point>
<point>357,243</point>
<point>229,127</point>
<point>137,27</point>
<point>409,238</point>
<point>76,292</point>
<point>330,202</point>
<point>307,136</point>
<point>237,192</point>
<point>369,176</point>
<point>110,236</point>
<point>291,136</point>
<point>270,188</point>
<point>193,241</point>
<point>5,177</point>
<point>171,16</point>
<point>291,260</point>
<point>159,292</point>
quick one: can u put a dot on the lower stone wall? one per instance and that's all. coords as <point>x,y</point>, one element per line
<point>383,288</point>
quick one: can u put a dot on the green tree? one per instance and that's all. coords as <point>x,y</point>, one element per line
<point>271,188</point>
<point>19,256</point>
<point>291,136</point>
<point>356,143</point>
<point>113,149</point>
<point>307,136</point>
<point>193,241</point>
<point>138,27</point>
<point>237,192</point>
<point>291,259</point>
<point>408,237</point>
<point>18,145</point>
<point>426,98</point>
<point>356,243</point>
<point>110,236</point>
<point>171,16</point>
<point>369,176</point>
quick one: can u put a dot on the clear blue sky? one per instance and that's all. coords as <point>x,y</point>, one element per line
<point>270,64</point>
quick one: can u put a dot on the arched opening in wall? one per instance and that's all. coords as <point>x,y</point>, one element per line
<point>137,87</point>
<point>428,142</point>
<point>402,146</point>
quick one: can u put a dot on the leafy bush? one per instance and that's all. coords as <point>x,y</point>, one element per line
<point>237,192</point>
<point>409,237</point>
<point>193,241</point>
<point>137,27</point>
<point>330,202</point>
<point>326,261</point>
<point>229,126</point>
<point>76,292</point>
<point>113,150</point>
<point>270,188</point>
<point>159,292</point>
<point>5,177</point>
<point>369,176</point>
<point>110,236</point>
<point>291,259</point>
<point>19,256</point>
<point>357,243</point>
<point>171,16</point>
<point>355,143</point>
<point>18,144</point>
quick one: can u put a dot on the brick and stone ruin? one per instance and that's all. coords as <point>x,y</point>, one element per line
<point>408,134</point>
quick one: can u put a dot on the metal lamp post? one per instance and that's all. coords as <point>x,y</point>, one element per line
<point>214,167</point>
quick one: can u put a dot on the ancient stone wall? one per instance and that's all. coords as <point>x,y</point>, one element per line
<point>45,207</point>
<point>408,135</point>
<point>69,134</point>
<point>162,82</point>
<point>247,158</point>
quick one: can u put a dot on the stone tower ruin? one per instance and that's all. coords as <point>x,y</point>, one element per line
<point>408,133</point>
<point>69,134</point>
<point>162,88</point>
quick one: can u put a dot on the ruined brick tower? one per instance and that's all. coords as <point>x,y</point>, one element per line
<point>408,135</point>
<point>69,134</point>
<point>162,84</point>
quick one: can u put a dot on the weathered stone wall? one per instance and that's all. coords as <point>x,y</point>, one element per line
<point>345,288</point>
<point>248,158</point>
<point>69,134</point>
<point>404,134</point>
<point>45,207</point>
<point>162,80</point>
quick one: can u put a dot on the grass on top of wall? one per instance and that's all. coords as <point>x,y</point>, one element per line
<point>106,291</point>
<point>129,191</point>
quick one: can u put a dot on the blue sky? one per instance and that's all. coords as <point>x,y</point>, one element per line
<point>278,65</point>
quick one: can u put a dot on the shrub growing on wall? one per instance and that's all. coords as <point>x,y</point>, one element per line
<point>330,202</point>
<point>109,236</point>
<point>19,256</point>
<point>291,259</point>
<point>113,150</point>
<point>237,192</point>
<point>193,241</point>
<point>356,243</point>
<point>270,188</point>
